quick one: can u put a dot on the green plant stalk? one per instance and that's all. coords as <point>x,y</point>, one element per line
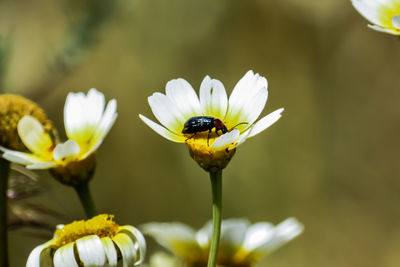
<point>216,185</point>
<point>86,199</point>
<point>4,172</point>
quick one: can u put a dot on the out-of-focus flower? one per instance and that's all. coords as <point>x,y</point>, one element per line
<point>96,242</point>
<point>241,244</point>
<point>212,126</point>
<point>12,109</point>
<point>86,125</point>
<point>383,14</point>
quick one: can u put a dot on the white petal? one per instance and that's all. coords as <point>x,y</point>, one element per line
<point>66,150</point>
<point>107,121</point>
<point>184,97</point>
<point>257,235</point>
<point>368,9</point>
<point>65,256</point>
<point>166,112</point>
<point>242,94</point>
<point>265,122</point>
<point>176,237</point>
<point>33,136</point>
<point>385,30</point>
<point>20,157</point>
<point>111,253</point>
<point>140,242</point>
<point>127,248</point>
<point>40,256</point>
<point>162,131</point>
<point>250,111</point>
<point>232,234</point>
<point>225,140</point>
<point>91,251</point>
<point>41,165</point>
<point>82,114</point>
<point>213,98</point>
<point>263,237</point>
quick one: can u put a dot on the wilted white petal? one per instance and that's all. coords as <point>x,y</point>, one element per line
<point>91,251</point>
<point>66,150</point>
<point>38,257</point>
<point>213,98</point>
<point>127,248</point>
<point>166,112</point>
<point>265,122</point>
<point>162,131</point>
<point>33,136</point>
<point>226,139</point>
<point>138,238</point>
<point>111,253</point>
<point>182,94</point>
<point>65,256</point>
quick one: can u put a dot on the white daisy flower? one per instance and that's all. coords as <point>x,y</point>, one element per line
<point>86,125</point>
<point>383,14</point>
<point>96,242</point>
<point>211,125</point>
<point>242,244</point>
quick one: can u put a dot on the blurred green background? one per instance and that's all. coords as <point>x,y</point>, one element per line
<point>331,161</point>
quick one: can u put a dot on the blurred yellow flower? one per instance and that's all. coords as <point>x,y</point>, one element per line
<point>383,14</point>
<point>242,244</point>
<point>96,242</point>
<point>187,118</point>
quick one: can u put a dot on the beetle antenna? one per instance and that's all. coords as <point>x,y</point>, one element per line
<point>238,125</point>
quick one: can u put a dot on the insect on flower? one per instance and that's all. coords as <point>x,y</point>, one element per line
<point>198,124</point>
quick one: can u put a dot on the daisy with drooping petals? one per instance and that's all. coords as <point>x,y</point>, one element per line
<point>383,14</point>
<point>96,242</point>
<point>242,244</point>
<point>86,125</point>
<point>210,148</point>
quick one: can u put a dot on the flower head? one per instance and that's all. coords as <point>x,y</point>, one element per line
<point>241,244</point>
<point>86,125</point>
<point>12,109</point>
<point>211,125</point>
<point>96,242</point>
<point>383,14</point>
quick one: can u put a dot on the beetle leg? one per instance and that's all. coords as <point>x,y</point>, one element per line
<point>208,137</point>
<point>190,137</point>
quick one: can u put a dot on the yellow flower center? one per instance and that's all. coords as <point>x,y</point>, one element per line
<point>101,225</point>
<point>200,150</point>
<point>12,109</point>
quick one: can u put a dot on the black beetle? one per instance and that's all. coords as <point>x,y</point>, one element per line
<point>203,123</point>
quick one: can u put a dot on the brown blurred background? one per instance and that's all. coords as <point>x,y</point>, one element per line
<point>331,161</point>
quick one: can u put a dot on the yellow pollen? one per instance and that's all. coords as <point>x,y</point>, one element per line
<point>101,225</point>
<point>209,159</point>
<point>12,109</point>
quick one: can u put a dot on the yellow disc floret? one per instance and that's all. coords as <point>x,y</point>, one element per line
<point>209,159</point>
<point>101,225</point>
<point>12,109</point>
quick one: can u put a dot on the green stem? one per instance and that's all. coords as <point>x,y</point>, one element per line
<point>4,172</point>
<point>86,199</point>
<point>216,185</point>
